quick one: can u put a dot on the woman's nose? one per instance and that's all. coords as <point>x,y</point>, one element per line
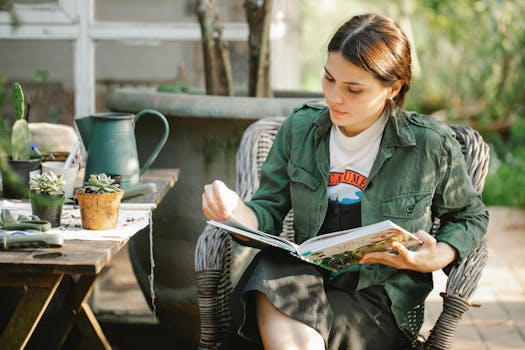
<point>334,95</point>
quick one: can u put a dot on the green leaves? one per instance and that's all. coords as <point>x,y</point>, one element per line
<point>21,136</point>
<point>21,140</point>
<point>18,100</point>
<point>101,183</point>
<point>48,183</point>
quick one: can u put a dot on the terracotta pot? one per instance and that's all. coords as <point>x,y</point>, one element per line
<point>99,211</point>
<point>47,207</point>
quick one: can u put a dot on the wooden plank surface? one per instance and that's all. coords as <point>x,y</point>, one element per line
<point>74,257</point>
<point>165,179</point>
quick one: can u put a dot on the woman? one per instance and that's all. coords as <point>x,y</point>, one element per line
<point>410,170</point>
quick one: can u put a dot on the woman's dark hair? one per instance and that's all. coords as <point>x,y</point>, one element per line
<point>378,45</point>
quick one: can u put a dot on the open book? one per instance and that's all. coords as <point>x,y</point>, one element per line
<point>332,251</point>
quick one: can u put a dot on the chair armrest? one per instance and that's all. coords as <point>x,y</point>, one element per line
<point>461,284</point>
<point>214,287</point>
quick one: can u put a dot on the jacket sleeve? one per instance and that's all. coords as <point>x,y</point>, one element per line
<point>271,201</point>
<point>463,216</point>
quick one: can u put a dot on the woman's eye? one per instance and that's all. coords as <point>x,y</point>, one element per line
<point>329,78</point>
<point>354,91</point>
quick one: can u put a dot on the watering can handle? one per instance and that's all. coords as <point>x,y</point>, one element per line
<point>162,141</point>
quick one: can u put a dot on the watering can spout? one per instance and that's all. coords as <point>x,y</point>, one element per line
<point>84,126</point>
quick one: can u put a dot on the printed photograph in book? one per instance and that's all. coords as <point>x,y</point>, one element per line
<point>349,253</point>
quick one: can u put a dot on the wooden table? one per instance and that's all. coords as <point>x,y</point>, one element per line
<point>62,277</point>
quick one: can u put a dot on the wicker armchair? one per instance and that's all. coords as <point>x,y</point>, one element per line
<point>213,253</point>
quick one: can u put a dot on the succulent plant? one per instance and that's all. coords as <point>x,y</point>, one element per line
<point>101,183</point>
<point>47,183</point>
<point>21,136</point>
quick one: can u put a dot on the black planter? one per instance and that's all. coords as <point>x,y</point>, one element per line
<point>47,207</point>
<point>15,184</point>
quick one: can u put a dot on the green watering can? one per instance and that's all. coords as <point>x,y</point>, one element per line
<point>109,139</point>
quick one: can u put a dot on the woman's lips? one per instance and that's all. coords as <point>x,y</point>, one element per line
<point>337,112</point>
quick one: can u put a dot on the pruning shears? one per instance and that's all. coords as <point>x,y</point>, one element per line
<point>9,222</point>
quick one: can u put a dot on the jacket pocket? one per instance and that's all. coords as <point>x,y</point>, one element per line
<point>298,175</point>
<point>408,206</point>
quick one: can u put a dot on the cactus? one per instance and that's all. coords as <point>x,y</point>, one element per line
<point>18,100</point>
<point>21,136</point>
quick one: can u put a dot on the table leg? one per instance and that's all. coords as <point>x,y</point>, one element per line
<point>69,307</point>
<point>89,326</point>
<point>29,309</point>
<point>85,319</point>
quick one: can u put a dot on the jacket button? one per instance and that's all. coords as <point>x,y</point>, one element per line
<point>409,208</point>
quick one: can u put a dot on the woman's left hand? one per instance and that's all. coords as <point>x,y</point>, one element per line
<point>430,256</point>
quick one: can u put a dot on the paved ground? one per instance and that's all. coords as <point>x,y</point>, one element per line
<point>498,325</point>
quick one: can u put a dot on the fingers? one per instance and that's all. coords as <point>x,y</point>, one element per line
<point>404,258</point>
<point>426,237</point>
<point>211,203</point>
<point>219,190</point>
<point>218,201</point>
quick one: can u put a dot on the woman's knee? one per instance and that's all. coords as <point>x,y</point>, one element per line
<point>280,331</point>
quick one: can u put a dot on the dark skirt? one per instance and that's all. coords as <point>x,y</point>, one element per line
<point>346,320</point>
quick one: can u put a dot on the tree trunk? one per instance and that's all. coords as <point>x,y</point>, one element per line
<point>258,15</point>
<point>217,66</point>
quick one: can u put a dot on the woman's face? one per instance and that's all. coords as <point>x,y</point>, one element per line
<point>355,97</point>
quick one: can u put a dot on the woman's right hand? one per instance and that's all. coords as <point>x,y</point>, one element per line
<point>218,201</point>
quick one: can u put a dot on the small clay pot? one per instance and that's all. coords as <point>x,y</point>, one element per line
<point>99,211</point>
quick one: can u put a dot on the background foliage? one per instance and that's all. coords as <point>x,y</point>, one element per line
<point>469,68</point>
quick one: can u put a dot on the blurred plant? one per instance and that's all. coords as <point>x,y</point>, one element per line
<point>3,122</point>
<point>47,183</point>
<point>504,185</point>
<point>20,136</point>
<point>475,58</point>
<point>8,5</point>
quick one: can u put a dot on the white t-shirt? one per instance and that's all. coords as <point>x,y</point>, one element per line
<point>351,159</point>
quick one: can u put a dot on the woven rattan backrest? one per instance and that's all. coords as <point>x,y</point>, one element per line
<point>253,150</point>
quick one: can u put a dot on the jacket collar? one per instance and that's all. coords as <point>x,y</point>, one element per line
<point>323,123</point>
<point>397,134</point>
<point>397,130</point>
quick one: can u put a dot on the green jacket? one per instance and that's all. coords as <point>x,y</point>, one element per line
<point>419,174</point>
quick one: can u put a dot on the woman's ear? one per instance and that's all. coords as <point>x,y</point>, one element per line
<point>395,88</point>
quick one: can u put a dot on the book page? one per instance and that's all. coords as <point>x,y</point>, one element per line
<point>345,248</point>
<point>236,226</point>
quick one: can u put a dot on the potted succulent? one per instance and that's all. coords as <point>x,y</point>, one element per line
<point>22,162</point>
<point>99,201</point>
<point>47,197</point>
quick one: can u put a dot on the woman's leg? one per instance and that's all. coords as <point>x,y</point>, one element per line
<point>279,331</point>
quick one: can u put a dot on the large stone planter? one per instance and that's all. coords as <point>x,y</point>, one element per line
<point>205,132</point>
